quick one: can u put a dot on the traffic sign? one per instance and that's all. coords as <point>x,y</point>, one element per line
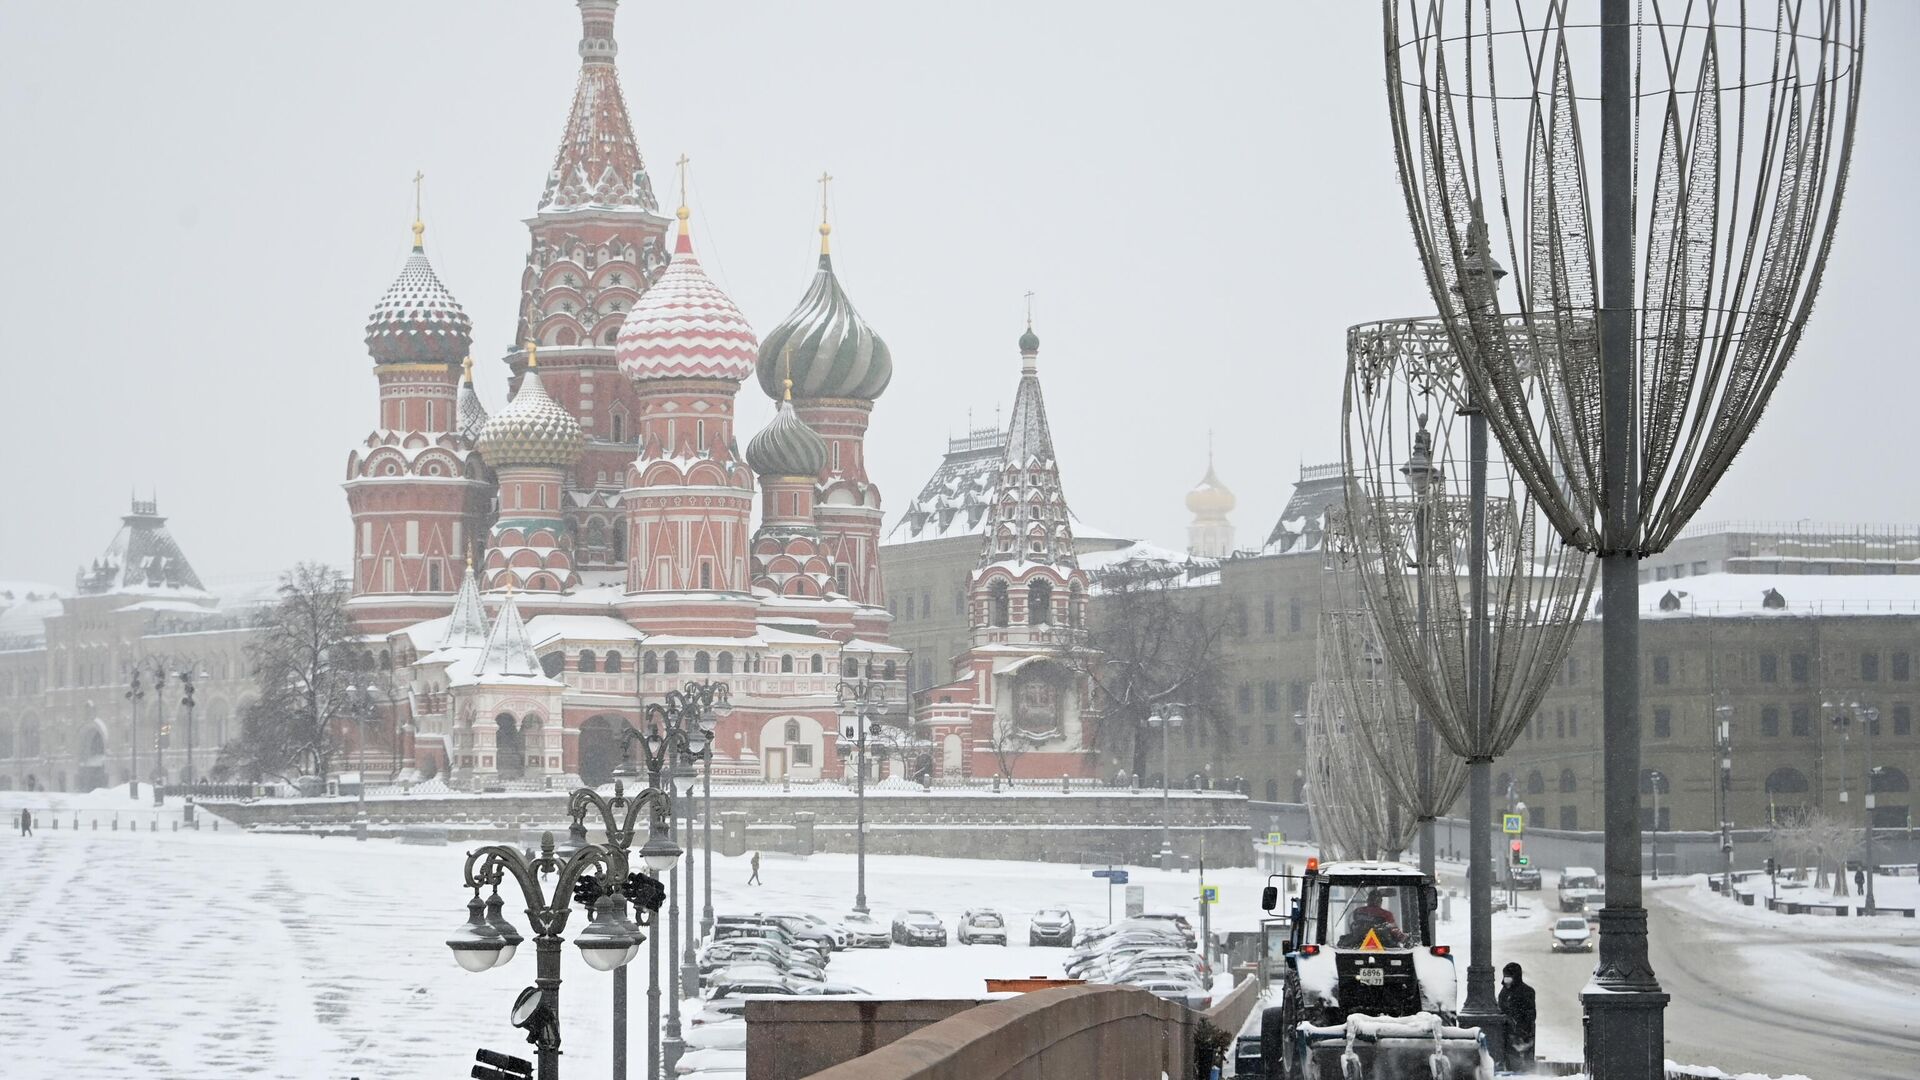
<point>1114,877</point>
<point>1209,894</point>
<point>1276,838</point>
<point>1512,823</point>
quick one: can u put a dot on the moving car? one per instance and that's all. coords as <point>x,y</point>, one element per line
<point>1050,926</point>
<point>982,926</point>
<point>1571,933</point>
<point>919,928</point>
<point>1526,877</point>
<point>1579,887</point>
<point>864,931</point>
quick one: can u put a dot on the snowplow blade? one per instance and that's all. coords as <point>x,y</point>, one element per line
<point>1417,1047</point>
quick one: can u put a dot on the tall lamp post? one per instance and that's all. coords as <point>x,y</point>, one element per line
<point>1723,743</point>
<point>678,729</point>
<point>135,693</point>
<point>860,702</point>
<point>1655,780</point>
<point>187,689</point>
<point>162,734</point>
<point>1164,718</point>
<point>608,942</point>
<point>617,817</point>
<point>1869,722</point>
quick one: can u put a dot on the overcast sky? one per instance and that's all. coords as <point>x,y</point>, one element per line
<point>202,201</point>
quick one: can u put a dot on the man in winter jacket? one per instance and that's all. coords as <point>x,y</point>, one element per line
<point>1516,1004</point>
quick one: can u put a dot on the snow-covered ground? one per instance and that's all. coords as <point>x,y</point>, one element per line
<point>197,954</point>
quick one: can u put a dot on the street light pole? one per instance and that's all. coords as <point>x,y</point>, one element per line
<point>860,701</point>
<point>1724,743</point>
<point>618,818</point>
<point>1165,718</point>
<point>1657,780</point>
<point>133,695</point>
<point>706,844</point>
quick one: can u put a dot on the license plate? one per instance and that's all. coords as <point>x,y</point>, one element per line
<point>1371,976</point>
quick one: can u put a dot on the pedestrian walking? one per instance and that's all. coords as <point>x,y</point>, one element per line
<point>26,822</point>
<point>1516,1005</point>
<point>755,878</point>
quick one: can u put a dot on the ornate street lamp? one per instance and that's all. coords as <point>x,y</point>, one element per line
<point>618,816</point>
<point>1635,348</point>
<point>861,702</point>
<point>1164,719</point>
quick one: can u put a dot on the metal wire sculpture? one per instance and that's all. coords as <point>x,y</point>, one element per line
<point>1367,690</point>
<point>1408,531</point>
<point>1352,808</point>
<point>1741,128</point>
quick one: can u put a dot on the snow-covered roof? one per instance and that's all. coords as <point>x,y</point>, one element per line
<point>142,560</point>
<point>542,629</point>
<point>508,656</point>
<point>773,635</point>
<point>954,500</point>
<point>862,645</point>
<point>1747,595</point>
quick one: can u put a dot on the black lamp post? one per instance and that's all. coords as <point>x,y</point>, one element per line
<point>678,729</point>
<point>617,817</point>
<point>608,942</point>
<point>1165,718</point>
<point>860,702</point>
<point>134,695</point>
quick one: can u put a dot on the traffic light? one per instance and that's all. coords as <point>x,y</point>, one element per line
<point>1522,860</point>
<point>1515,856</point>
<point>1773,866</point>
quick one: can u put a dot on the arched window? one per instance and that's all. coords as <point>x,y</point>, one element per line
<point>726,663</point>
<point>702,663</point>
<point>1040,602</point>
<point>1567,781</point>
<point>672,662</point>
<point>649,662</point>
<point>817,664</point>
<point>998,604</point>
<point>613,662</point>
<point>587,661</point>
<point>1536,784</point>
<point>786,663</point>
<point>793,731</point>
<point>1888,780</point>
<point>888,670</point>
<point>1785,780</point>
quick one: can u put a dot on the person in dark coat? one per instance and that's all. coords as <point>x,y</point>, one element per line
<point>26,822</point>
<point>754,878</point>
<point>1516,1005</point>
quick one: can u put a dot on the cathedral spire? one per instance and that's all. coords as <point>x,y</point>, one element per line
<point>598,165</point>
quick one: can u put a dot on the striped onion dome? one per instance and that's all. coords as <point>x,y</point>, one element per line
<point>533,429</point>
<point>835,354</point>
<point>684,327</point>
<point>787,447</point>
<point>418,321</point>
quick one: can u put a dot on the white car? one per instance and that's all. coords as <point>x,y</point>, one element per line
<point>720,1011</point>
<point>731,1035</point>
<point>1572,933</point>
<point>865,932</point>
<point>708,1062</point>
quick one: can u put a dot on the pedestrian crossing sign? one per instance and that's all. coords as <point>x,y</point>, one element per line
<point>1512,824</point>
<point>1209,894</point>
<point>1276,838</point>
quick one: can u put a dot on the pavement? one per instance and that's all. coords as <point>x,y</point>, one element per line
<point>1829,1006</point>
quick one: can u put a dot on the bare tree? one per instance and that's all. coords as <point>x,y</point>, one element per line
<point>1822,841</point>
<point>1154,642</point>
<point>303,663</point>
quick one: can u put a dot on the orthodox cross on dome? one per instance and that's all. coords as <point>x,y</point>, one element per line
<point>825,179</point>
<point>1029,309</point>
<point>683,213</point>
<point>419,226</point>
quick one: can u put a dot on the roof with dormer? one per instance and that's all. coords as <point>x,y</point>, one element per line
<point>143,559</point>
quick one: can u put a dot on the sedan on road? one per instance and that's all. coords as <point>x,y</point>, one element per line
<point>1572,933</point>
<point>919,928</point>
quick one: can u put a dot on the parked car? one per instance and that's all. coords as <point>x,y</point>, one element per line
<point>1526,877</point>
<point>788,928</point>
<point>1175,919</point>
<point>706,1062</point>
<point>752,986</point>
<point>810,928</point>
<point>1572,933</point>
<point>728,1036</point>
<point>725,957</point>
<point>865,932</point>
<point>919,928</point>
<point>982,926</point>
<point>726,930</point>
<point>763,945</point>
<point>1193,997</point>
<point>753,970</point>
<point>720,1011</point>
<point>1050,926</point>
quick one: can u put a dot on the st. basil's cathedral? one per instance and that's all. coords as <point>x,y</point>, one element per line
<point>536,575</point>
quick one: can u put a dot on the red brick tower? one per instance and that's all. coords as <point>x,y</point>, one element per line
<point>839,367</point>
<point>418,495</point>
<point>598,242</point>
<point>689,496</point>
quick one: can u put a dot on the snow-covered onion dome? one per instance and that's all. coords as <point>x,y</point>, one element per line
<point>684,327</point>
<point>1210,497</point>
<point>787,447</point>
<point>533,429</point>
<point>418,321</point>
<point>835,353</point>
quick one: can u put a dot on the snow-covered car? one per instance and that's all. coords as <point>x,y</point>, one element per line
<point>797,970</point>
<point>864,931</point>
<point>706,1062</point>
<point>719,1011</point>
<point>796,930</point>
<point>1176,920</point>
<point>727,930</point>
<point>751,986</point>
<point>1050,926</point>
<point>1572,933</point>
<point>982,926</point>
<point>728,1036</point>
<point>1526,877</point>
<point>759,970</point>
<point>810,928</point>
<point>1185,993</point>
<point>919,928</point>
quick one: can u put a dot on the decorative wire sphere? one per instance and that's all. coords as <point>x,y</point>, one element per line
<point>1742,124</point>
<point>1347,799</point>
<point>1405,533</point>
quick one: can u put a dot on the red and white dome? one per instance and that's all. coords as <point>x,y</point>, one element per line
<point>684,327</point>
